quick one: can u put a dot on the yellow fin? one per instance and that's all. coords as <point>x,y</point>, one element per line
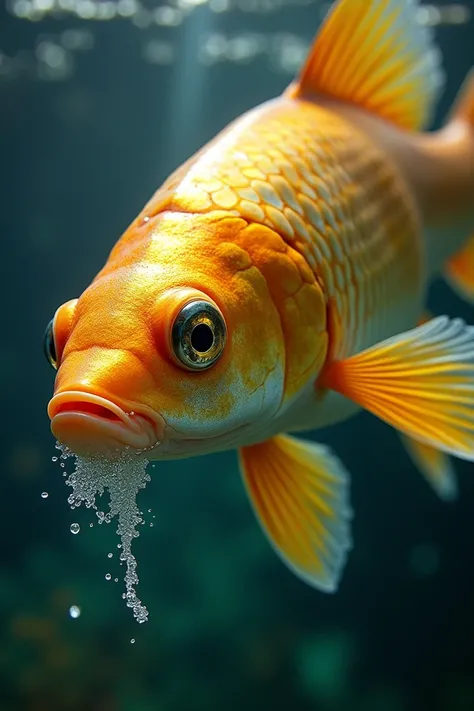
<point>420,382</point>
<point>463,107</point>
<point>436,467</point>
<point>425,316</point>
<point>459,271</point>
<point>375,54</point>
<point>299,491</point>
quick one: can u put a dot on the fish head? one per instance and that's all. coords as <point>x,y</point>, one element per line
<point>174,350</point>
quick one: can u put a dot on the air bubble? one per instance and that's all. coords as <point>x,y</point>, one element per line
<point>132,641</point>
<point>54,459</point>
<point>74,528</point>
<point>44,494</point>
<point>108,576</point>
<point>74,611</point>
<point>122,478</point>
<point>110,555</point>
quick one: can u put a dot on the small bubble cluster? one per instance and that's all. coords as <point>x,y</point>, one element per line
<point>140,14</point>
<point>54,56</point>
<point>173,13</point>
<point>122,479</point>
<point>284,51</point>
<point>51,58</point>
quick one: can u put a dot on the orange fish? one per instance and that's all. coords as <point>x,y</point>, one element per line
<point>275,282</point>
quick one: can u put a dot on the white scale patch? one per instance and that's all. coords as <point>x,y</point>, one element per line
<point>122,479</point>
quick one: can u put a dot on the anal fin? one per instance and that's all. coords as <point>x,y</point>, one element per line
<point>459,271</point>
<point>436,467</point>
<point>299,491</point>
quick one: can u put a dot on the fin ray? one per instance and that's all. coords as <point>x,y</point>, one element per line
<point>459,269</point>
<point>375,54</point>
<point>436,467</point>
<point>299,493</point>
<point>420,382</point>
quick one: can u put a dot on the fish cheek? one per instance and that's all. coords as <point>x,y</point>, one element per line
<point>235,390</point>
<point>198,404</point>
<point>257,348</point>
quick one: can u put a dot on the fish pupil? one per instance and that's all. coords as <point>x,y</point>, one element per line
<point>202,338</point>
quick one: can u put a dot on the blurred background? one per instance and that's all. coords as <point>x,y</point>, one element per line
<point>99,101</point>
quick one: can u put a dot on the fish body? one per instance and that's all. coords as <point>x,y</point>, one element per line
<point>275,281</point>
<point>335,199</point>
<point>297,192</point>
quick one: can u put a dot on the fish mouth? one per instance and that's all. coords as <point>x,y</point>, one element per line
<point>91,425</point>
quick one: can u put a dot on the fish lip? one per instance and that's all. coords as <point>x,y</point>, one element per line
<point>139,428</point>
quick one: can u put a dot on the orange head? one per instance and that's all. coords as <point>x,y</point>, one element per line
<point>175,348</point>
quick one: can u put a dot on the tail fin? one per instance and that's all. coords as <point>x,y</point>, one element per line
<point>459,269</point>
<point>375,54</point>
<point>463,108</point>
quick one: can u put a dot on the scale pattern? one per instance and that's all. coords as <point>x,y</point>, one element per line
<point>331,196</point>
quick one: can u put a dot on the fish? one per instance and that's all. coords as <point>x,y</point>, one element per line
<point>276,283</point>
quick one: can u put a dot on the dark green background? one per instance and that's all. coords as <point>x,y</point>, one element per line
<point>230,628</point>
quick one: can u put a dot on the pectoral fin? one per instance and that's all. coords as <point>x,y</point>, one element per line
<point>299,491</point>
<point>421,383</point>
<point>436,467</point>
<point>459,271</point>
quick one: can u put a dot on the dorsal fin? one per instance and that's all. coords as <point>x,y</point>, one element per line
<point>377,55</point>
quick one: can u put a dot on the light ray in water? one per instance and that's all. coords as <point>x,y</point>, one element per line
<point>122,479</point>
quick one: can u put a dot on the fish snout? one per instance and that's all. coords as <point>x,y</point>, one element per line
<point>91,425</point>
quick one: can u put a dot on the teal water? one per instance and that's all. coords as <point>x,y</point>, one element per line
<point>99,101</point>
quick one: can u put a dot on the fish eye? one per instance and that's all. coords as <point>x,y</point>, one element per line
<point>198,335</point>
<point>49,346</point>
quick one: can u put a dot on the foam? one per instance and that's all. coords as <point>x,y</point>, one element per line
<point>122,478</point>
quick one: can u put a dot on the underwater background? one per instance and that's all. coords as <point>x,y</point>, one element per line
<point>99,102</point>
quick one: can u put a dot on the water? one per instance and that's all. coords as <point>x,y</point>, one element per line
<point>94,114</point>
